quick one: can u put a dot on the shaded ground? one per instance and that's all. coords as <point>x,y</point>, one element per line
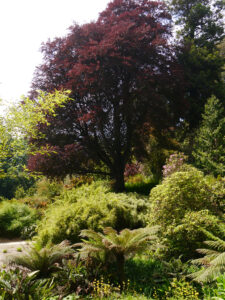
<point>8,248</point>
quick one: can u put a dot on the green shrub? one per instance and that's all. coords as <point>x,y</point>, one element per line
<point>181,192</point>
<point>48,189</point>
<point>183,203</point>
<point>90,207</point>
<point>145,273</point>
<point>189,235</point>
<point>40,196</point>
<point>15,218</point>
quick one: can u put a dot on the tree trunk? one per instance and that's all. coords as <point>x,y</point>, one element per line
<point>118,176</point>
<point>121,271</point>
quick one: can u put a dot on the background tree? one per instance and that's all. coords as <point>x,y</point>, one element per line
<point>201,29</point>
<point>16,127</point>
<point>209,148</point>
<point>122,73</point>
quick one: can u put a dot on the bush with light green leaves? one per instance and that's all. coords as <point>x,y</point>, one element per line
<point>91,206</point>
<point>182,204</point>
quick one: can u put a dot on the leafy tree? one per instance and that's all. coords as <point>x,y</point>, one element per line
<point>122,73</point>
<point>16,128</point>
<point>201,30</point>
<point>221,47</point>
<point>115,246</point>
<point>13,157</point>
<point>209,148</point>
<point>201,21</point>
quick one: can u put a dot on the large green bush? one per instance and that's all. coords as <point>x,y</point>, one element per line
<point>178,193</point>
<point>189,235</point>
<point>90,207</point>
<point>182,204</point>
<point>15,219</point>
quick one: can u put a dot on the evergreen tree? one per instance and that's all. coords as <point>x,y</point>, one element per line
<point>201,29</point>
<point>209,148</point>
<point>200,21</point>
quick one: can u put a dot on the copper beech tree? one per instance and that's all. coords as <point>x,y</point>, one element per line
<point>123,77</point>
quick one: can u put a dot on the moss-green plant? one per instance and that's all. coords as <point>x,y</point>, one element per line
<point>90,207</point>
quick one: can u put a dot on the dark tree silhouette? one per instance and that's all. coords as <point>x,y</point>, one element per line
<point>201,29</point>
<point>123,76</point>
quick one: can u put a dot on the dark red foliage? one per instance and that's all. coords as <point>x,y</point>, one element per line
<point>122,73</point>
<point>59,162</point>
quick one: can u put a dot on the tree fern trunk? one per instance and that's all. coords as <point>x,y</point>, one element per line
<point>121,270</point>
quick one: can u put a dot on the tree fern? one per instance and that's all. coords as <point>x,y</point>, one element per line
<point>116,247</point>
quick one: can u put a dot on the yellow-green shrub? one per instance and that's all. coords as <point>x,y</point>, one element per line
<point>90,207</point>
<point>178,193</point>
<point>182,204</point>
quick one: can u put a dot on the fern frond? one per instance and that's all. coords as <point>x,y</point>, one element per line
<point>218,244</point>
<point>214,260</point>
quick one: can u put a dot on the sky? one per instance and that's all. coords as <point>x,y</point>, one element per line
<point>24,25</point>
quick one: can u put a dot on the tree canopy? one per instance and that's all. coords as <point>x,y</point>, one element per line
<point>122,73</point>
<point>201,29</point>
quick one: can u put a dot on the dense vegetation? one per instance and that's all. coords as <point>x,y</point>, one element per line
<point>119,183</point>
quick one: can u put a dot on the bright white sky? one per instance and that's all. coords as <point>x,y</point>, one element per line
<point>24,25</point>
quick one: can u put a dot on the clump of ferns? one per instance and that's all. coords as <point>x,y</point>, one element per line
<point>45,260</point>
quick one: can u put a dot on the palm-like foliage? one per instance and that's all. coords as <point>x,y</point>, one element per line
<point>116,247</point>
<point>45,260</point>
<point>213,261</point>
